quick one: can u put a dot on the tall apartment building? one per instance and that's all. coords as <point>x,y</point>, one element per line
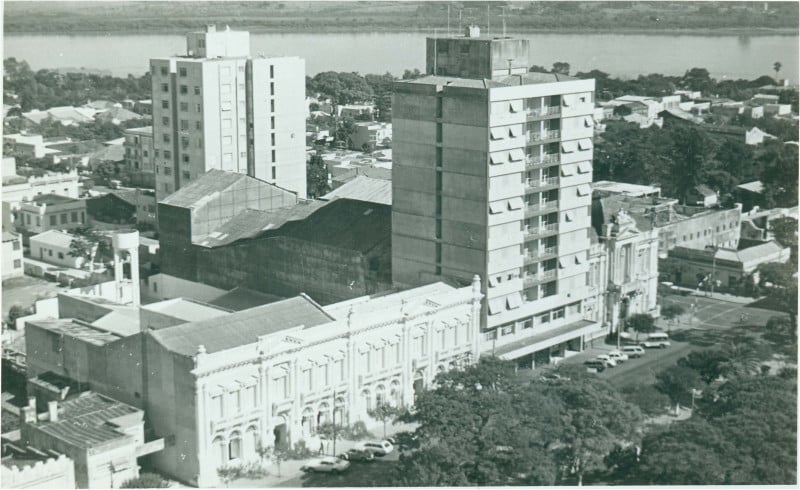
<point>491,175</point>
<point>218,108</point>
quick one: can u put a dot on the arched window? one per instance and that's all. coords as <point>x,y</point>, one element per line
<point>380,395</point>
<point>235,446</point>
<point>307,420</point>
<point>251,442</point>
<point>221,450</point>
<point>365,395</point>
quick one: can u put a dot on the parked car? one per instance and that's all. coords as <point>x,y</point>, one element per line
<point>633,351</point>
<point>618,356</point>
<point>607,360</point>
<point>656,340</point>
<point>357,455</point>
<point>326,465</point>
<point>378,448</point>
<point>595,365</point>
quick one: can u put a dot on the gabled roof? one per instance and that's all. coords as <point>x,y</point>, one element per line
<point>757,252</point>
<point>364,188</point>
<point>187,309</point>
<point>207,187</point>
<point>54,238</point>
<point>241,328</point>
<point>242,298</point>
<point>118,113</point>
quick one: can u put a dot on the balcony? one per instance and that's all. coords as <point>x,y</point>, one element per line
<point>540,208</point>
<point>541,230</point>
<point>541,254</point>
<point>543,136</point>
<point>538,278</point>
<point>534,161</point>
<point>540,183</point>
<point>543,112</point>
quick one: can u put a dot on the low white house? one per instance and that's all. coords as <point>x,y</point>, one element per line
<point>52,247</point>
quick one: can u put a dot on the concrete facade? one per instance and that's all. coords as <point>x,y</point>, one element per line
<point>217,108</point>
<point>491,175</point>
<point>370,135</point>
<point>52,247</point>
<point>139,156</point>
<point>51,212</point>
<point>12,255</point>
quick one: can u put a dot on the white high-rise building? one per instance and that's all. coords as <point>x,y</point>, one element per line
<point>492,167</point>
<point>218,108</point>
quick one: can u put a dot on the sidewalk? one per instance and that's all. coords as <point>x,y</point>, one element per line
<point>729,298</point>
<point>291,469</point>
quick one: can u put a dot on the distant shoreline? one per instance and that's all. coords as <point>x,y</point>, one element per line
<point>332,29</point>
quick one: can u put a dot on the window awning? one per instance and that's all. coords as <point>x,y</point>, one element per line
<point>584,190</point>
<point>569,146</point>
<point>588,122</point>
<point>562,263</point>
<point>515,106</point>
<point>514,301</point>
<point>514,130</point>
<point>569,216</point>
<point>578,259</point>
<point>584,167</point>
<point>567,100</point>
<point>496,207</point>
<point>498,133</point>
<point>492,281</point>
<point>515,203</point>
<point>496,305</point>
<point>516,155</point>
<point>567,170</point>
<point>498,157</point>
<point>585,144</point>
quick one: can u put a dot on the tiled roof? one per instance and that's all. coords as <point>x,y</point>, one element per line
<point>364,188</point>
<point>241,328</point>
<point>83,421</point>
<point>55,238</point>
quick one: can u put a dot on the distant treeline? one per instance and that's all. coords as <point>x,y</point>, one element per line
<point>71,17</point>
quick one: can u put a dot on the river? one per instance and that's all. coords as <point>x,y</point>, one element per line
<point>621,55</point>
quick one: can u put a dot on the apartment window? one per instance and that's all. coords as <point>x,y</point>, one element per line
<point>280,387</point>
<point>326,375</point>
<point>272,105</point>
<point>251,396</point>
<point>184,106</point>
<point>398,353</point>
<point>272,88</point>
<point>196,90</point>
<point>50,253</point>
<point>272,139</point>
<point>527,323</point>
<point>166,138</point>
<point>199,142</point>
<point>165,104</point>
<point>184,90</point>
<point>184,142</point>
<point>545,318</point>
<point>167,154</point>
<point>273,156</point>
<point>235,447</point>
<point>156,153</point>
<point>272,122</point>
<point>184,125</point>
<point>272,71</point>
<point>274,173</point>
<point>63,218</point>
<point>559,313</point>
<point>17,263</point>
<point>15,246</point>
<point>186,176</point>
<point>201,43</point>
<point>199,108</point>
<point>167,171</point>
<point>242,154</point>
<point>198,125</point>
<point>219,406</point>
<point>164,87</point>
<point>227,140</point>
<point>185,158</point>
<point>167,188</point>
<point>144,152</point>
<point>421,344</point>
<point>73,218</point>
<point>340,369</point>
<point>383,357</point>
<point>182,72</point>
<point>165,121</point>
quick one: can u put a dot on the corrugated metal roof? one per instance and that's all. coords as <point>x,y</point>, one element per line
<point>241,328</point>
<point>364,188</point>
<point>240,298</point>
<point>78,330</point>
<point>212,181</point>
<point>187,309</point>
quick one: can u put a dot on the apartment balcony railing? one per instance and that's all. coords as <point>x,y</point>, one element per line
<point>533,161</point>
<point>540,277</point>
<point>542,112</point>
<point>542,136</point>
<point>539,254</point>
<point>546,182</point>
<point>541,230</point>
<point>534,209</point>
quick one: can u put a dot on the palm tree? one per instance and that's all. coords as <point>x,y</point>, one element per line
<point>777,67</point>
<point>742,359</point>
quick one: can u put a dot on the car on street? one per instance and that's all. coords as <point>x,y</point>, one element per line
<point>378,448</point>
<point>326,465</point>
<point>633,351</point>
<point>607,360</point>
<point>658,340</point>
<point>618,356</point>
<point>595,365</point>
<point>357,455</point>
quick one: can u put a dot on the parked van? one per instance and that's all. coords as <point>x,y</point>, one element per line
<point>659,340</point>
<point>633,351</point>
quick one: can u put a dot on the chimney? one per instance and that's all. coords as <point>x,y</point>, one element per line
<point>472,31</point>
<point>28,415</point>
<point>52,410</point>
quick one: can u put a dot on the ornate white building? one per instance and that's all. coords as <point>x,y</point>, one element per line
<point>220,388</point>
